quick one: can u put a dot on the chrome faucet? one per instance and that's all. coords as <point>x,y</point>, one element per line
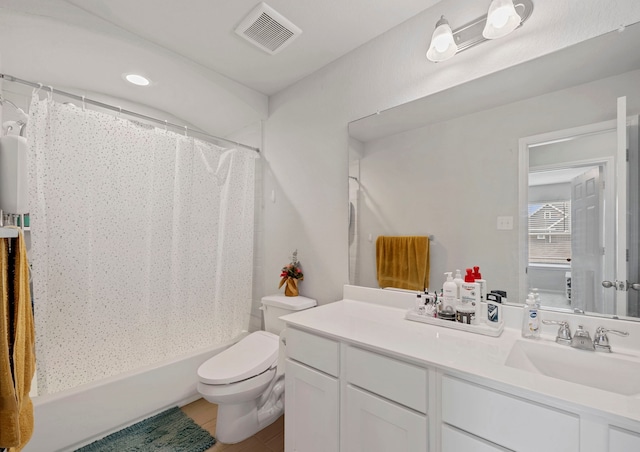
<point>601,341</point>
<point>563,336</point>
<point>582,339</point>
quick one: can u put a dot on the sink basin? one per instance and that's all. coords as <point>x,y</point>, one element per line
<point>614,373</point>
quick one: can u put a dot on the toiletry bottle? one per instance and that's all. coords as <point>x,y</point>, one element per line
<point>530,319</point>
<point>470,294</point>
<point>494,301</point>
<point>481,282</point>
<point>449,291</point>
<point>458,280</point>
<point>420,307</point>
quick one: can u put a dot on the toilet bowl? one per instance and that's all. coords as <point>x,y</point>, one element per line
<point>246,380</point>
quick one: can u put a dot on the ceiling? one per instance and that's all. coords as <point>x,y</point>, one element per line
<point>198,66</point>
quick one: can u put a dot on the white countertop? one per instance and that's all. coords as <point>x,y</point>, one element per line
<point>384,329</point>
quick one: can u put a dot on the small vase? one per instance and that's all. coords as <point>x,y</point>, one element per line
<point>291,287</point>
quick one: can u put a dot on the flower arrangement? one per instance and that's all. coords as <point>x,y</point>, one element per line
<point>290,275</point>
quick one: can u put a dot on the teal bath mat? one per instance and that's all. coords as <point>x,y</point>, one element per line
<point>169,431</point>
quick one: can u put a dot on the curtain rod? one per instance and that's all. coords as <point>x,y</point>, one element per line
<point>83,99</point>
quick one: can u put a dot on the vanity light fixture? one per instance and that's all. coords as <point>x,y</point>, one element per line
<point>137,79</point>
<point>503,17</point>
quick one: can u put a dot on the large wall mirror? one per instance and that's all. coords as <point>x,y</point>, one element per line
<point>490,171</point>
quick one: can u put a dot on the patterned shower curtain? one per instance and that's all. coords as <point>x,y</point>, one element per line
<point>142,243</point>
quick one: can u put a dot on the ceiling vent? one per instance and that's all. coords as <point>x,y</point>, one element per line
<point>267,29</point>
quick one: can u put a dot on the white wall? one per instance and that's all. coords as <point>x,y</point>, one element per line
<point>306,138</point>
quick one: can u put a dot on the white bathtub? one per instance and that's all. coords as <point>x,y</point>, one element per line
<point>70,419</point>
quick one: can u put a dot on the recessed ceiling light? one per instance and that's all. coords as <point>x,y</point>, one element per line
<point>137,79</point>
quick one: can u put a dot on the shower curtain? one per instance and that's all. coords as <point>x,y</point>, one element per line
<point>142,243</point>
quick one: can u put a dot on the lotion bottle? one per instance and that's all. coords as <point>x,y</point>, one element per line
<point>530,319</point>
<point>458,280</point>
<point>470,294</point>
<point>449,290</point>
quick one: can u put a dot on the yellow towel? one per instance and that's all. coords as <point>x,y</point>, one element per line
<point>16,409</point>
<point>403,262</point>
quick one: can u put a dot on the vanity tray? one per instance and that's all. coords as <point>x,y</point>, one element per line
<point>485,329</point>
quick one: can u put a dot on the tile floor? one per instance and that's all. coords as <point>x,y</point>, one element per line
<point>269,439</point>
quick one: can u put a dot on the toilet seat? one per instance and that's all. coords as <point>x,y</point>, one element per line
<point>249,357</point>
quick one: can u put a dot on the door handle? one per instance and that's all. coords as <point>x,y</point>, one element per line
<point>619,285</point>
<point>635,286</point>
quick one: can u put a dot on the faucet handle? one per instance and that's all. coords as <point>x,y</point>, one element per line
<point>563,336</point>
<point>601,341</point>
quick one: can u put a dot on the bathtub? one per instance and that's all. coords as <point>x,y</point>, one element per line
<point>73,418</point>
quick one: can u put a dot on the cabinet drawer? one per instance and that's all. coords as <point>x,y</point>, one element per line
<point>623,440</point>
<point>508,421</point>
<point>401,382</point>
<point>315,351</point>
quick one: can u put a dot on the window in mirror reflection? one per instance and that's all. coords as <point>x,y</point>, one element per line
<point>550,232</point>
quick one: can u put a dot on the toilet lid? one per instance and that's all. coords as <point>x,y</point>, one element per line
<point>251,356</point>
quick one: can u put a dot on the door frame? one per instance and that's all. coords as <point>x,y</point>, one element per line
<point>523,193</point>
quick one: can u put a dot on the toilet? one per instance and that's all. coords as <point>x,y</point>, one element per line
<point>246,380</point>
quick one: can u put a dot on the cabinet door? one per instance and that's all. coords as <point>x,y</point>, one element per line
<point>623,441</point>
<point>311,410</point>
<point>376,425</point>
<point>454,440</point>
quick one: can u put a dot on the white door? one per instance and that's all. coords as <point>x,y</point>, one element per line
<point>311,410</point>
<point>586,242</point>
<point>374,424</point>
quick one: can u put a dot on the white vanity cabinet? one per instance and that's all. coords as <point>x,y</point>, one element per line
<point>311,393</point>
<point>351,387</point>
<point>372,403</point>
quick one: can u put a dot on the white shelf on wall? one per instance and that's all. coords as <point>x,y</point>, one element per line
<point>8,233</point>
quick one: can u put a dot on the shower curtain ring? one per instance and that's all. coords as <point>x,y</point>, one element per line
<point>83,104</point>
<point>165,125</point>
<point>119,112</point>
<point>185,131</point>
<point>50,95</point>
<point>36,90</point>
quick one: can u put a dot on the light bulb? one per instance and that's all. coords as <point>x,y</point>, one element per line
<point>500,17</point>
<point>442,46</point>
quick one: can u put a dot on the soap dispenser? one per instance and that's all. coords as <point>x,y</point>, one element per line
<point>449,290</point>
<point>530,318</point>
<point>470,294</point>
<point>458,280</point>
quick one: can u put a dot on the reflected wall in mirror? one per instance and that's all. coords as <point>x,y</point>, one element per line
<point>448,165</point>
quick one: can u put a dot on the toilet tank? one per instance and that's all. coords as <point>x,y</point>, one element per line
<point>275,306</point>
